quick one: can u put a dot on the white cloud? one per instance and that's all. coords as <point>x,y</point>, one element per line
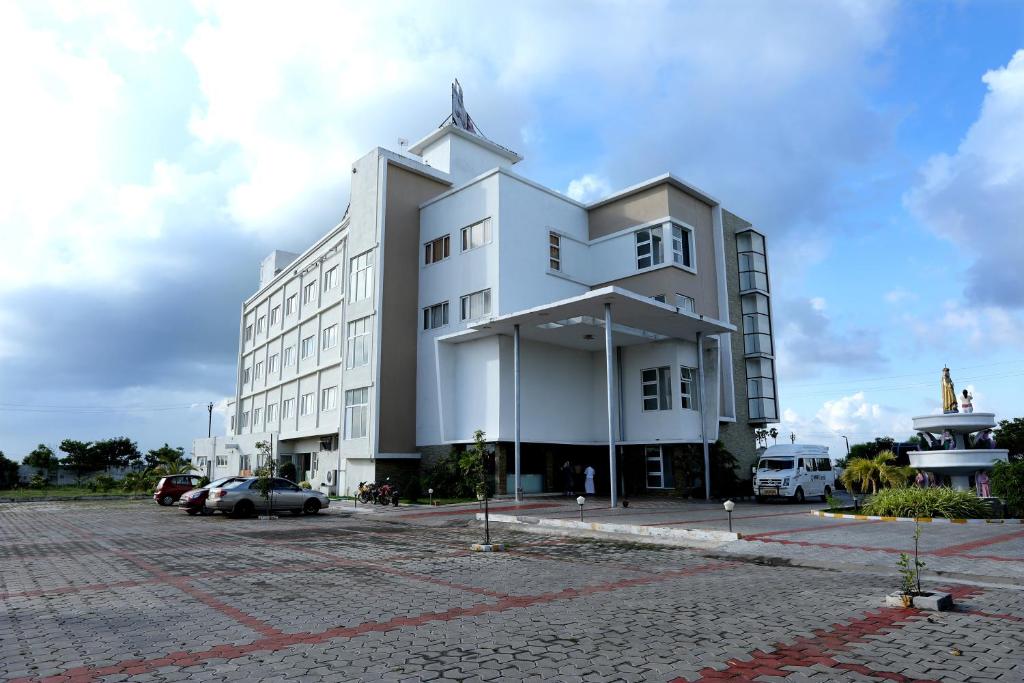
<point>899,295</point>
<point>854,416</point>
<point>960,327</point>
<point>588,188</point>
<point>807,341</point>
<point>975,197</point>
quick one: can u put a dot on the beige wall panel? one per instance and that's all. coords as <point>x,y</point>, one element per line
<point>649,205</point>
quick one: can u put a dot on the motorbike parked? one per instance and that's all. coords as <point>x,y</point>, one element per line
<point>387,493</point>
<point>367,492</point>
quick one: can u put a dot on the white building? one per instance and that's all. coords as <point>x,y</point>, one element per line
<point>396,336</point>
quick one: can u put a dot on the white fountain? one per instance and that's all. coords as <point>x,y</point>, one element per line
<point>960,458</point>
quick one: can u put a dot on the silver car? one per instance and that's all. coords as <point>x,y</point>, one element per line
<point>242,497</point>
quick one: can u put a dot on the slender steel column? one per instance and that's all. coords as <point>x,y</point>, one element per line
<point>703,427</point>
<point>609,362</point>
<point>518,412</point>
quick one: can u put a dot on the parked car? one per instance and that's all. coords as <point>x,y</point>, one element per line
<point>194,502</point>
<point>170,488</point>
<point>242,498</point>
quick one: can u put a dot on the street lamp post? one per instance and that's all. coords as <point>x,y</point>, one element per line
<point>847,444</point>
<point>487,520</point>
<point>729,505</point>
<point>580,501</point>
<point>430,492</point>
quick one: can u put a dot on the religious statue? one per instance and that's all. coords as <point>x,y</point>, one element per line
<point>948,393</point>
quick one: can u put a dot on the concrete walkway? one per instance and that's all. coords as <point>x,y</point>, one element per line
<point>776,533</point>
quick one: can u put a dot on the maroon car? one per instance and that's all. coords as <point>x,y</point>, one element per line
<point>194,502</point>
<point>170,488</point>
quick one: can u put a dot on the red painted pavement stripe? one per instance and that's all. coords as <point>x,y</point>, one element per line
<point>806,652</point>
<point>980,543</point>
<point>869,548</point>
<point>735,518</point>
<point>270,644</point>
<point>473,511</point>
<point>820,527</point>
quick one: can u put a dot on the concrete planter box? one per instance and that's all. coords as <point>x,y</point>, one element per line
<point>935,602</point>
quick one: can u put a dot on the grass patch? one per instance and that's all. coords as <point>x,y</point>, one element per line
<point>932,502</point>
<point>441,501</point>
<point>63,492</point>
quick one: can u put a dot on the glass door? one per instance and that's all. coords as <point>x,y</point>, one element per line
<point>655,467</point>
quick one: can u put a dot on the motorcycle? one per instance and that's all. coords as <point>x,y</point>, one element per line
<point>367,492</point>
<point>387,493</point>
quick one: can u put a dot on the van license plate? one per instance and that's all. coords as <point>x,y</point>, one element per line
<point>769,492</point>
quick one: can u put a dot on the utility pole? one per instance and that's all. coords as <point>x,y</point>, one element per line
<point>209,420</point>
<point>847,444</point>
<point>792,437</point>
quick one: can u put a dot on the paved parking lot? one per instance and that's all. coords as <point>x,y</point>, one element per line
<point>130,591</point>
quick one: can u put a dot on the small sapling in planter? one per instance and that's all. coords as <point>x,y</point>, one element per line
<point>910,593</point>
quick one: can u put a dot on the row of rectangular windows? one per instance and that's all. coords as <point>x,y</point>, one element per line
<point>472,306</point>
<point>360,287</point>
<point>655,391</point>
<point>357,349</point>
<point>356,405</point>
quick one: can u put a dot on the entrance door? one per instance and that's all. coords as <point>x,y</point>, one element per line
<point>655,467</point>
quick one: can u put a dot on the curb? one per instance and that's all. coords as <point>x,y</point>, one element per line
<point>937,520</point>
<point>635,531</point>
<point>60,499</point>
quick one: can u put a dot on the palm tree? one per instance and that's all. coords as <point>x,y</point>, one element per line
<point>774,433</point>
<point>875,471</point>
<point>174,467</point>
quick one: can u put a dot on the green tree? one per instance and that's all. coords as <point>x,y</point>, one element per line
<point>1007,483</point>
<point>81,458</point>
<point>117,452</point>
<point>42,457</point>
<point>774,433</point>
<point>875,472</point>
<point>165,455</point>
<point>472,463</point>
<point>8,472</point>
<point>872,448</point>
<point>265,471</point>
<point>1010,435</point>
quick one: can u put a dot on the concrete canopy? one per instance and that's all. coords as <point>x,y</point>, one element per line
<point>578,322</point>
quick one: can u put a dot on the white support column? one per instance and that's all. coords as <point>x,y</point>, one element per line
<point>518,411</point>
<point>609,362</point>
<point>703,423</point>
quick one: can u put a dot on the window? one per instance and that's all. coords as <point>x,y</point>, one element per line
<point>757,333</point>
<point>307,404</point>
<point>329,337</point>
<point>245,418</point>
<point>752,263</point>
<point>289,356</point>
<point>259,369</point>
<point>248,332</point>
<point>275,315</point>
<point>655,467</point>
<point>681,246</point>
<point>309,292</point>
<point>436,250</point>
<point>357,346</point>
<point>435,316</point>
<point>308,346</point>
<point>272,364</point>
<point>476,305</point>
<point>271,412</point>
<point>257,413</point>
<point>686,303</point>
<point>261,324</point>
<point>361,277</point>
<point>222,461</point>
<point>287,408</point>
<point>476,235</point>
<point>331,278</point>
<point>246,375</point>
<point>328,399</point>
<point>655,391</point>
<point>648,247</point>
<point>554,251</point>
<point>289,305</point>
<point>355,412</point>
<point>659,297</point>
<point>687,388</point>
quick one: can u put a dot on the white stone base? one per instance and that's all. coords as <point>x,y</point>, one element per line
<point>934,602</point>
<point>487,547</point>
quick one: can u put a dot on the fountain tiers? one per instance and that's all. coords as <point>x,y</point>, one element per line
<point>960,462</point>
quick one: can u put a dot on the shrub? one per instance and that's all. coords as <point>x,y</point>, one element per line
<point>932,502</point>
<point>139,481</point>
<point>288,471</point>
<point>305,485</point>
<point>1007,482</point>
<point>102,483</point>
<point>38,481</point>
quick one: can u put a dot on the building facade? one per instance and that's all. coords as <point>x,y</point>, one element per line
<point>456,295</point>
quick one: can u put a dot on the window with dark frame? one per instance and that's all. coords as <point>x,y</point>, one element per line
<point>437,250</point>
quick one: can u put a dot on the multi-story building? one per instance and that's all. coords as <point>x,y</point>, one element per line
<point>456,295</point>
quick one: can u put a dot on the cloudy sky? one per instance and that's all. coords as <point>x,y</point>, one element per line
<point>154,152</point>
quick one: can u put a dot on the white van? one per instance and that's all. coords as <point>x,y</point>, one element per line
<point>794,471</point>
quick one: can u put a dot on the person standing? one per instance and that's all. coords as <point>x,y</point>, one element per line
<point>966,405</point>
<point>588,483</point>
<point>981,483</point>
<point>921,481</point>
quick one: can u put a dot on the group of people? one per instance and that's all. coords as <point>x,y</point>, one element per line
<point>947,442</point>
<point>569,479</point>
<point>926,480</point>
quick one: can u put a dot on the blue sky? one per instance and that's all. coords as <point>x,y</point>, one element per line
<point>154,152</point>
